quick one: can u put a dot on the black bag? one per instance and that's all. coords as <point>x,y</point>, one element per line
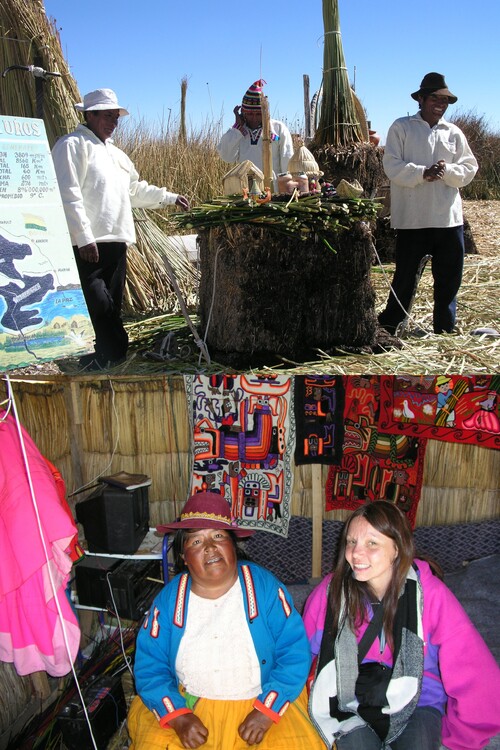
<point>373,677</point>
<point>372,683</point>
<point>373,680</point>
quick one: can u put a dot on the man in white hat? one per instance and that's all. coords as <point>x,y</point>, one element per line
<point>99,186</point>
<point>427,160</point>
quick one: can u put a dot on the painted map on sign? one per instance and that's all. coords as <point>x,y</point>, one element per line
<point>43,315</point>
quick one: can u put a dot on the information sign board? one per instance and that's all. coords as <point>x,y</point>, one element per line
<point>43,315</point>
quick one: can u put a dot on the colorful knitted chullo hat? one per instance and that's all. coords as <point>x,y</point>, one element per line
<point>251,100</point>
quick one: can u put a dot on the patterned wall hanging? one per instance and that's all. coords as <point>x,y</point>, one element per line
<point>454,408</point>
<point>243,437</point>
<point>374,465</point>
<point>319,418</point>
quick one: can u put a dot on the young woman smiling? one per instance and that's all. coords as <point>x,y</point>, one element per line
<point>399,664</point>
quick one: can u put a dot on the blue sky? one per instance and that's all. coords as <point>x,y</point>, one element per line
<point>143,50</point>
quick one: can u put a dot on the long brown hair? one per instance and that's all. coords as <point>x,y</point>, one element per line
<point>386,518</point>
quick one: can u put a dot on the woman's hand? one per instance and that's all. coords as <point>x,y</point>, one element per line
<point>253,729</point>
<point>190,730</point>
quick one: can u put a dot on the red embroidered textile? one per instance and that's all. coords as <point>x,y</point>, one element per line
<point>375,465</point>
<point>454,408</point>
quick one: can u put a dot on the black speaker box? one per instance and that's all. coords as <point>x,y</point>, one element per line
<point>133,583</point>
<point>115,520</point>
<point>92,587</point>
<point>106,707</point>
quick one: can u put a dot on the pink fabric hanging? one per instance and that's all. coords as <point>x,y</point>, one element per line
<point>31,635</point>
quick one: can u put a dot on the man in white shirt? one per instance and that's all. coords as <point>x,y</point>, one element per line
<point>244,139</point>
<point>427,160</point>
<point>99,186</point>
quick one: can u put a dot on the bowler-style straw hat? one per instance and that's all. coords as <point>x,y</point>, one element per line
<point>434,82</point>
<point>100,99</point>
<point>206,510</point>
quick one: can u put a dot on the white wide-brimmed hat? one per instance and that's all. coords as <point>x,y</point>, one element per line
<point>100,99</point>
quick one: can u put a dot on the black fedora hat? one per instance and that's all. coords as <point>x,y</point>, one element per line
<point>434,82</point>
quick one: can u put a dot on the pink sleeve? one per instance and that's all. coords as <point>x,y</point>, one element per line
<point>469,672</point>
<point>314,614</point>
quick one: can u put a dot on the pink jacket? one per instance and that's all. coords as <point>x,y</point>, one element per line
<point>458,666</point>
<point>31,630</point>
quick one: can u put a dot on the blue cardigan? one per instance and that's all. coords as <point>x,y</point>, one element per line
<point>277,632</point>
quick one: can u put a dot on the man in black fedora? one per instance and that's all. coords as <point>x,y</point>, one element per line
<point>427,160</point>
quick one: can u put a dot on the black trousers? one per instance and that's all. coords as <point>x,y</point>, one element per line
<point>447,249</point>
<point>103,284</point>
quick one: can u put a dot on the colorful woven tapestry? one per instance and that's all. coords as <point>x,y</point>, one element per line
<point>319,418</point>
<point>374,465</point>
<point>244,433</point>
<point>455,408</point>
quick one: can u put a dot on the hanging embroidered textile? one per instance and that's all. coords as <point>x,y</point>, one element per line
<point>454,408</point>
<point>243,433</point>
<point>31,629</point>
<point>375,465</point>
<point>319,418</point>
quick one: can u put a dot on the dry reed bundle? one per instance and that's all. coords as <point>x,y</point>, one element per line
<point>29,37</point>
<point>338,121</point>
<point>149,288</point>
<point>264,295</point>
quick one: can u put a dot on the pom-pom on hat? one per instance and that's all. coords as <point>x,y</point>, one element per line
<point>251,100</point>
<point>206,510</point>
<point>432,82</point>
<point>100,99</point>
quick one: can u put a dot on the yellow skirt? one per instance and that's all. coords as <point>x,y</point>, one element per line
<point>222,719</point>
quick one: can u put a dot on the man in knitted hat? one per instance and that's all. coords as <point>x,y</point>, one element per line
<point>427,160</point>
<point>99,186</point>
<point>244,139</point>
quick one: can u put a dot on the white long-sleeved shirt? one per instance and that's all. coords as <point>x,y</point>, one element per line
<point>99,186</point>
<point>411,147</point>
<point>236,145</point>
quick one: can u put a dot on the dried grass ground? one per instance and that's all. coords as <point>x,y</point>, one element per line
<point>460,352</point>
<point>484,217</point>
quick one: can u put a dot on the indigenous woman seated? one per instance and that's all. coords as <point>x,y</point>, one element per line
<point>399,664</point>
<point>222,657</point>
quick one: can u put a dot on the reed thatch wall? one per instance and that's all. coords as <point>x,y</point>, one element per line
<point>93,426</point>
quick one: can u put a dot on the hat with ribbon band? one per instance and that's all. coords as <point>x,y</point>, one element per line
<point>206,510</point>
